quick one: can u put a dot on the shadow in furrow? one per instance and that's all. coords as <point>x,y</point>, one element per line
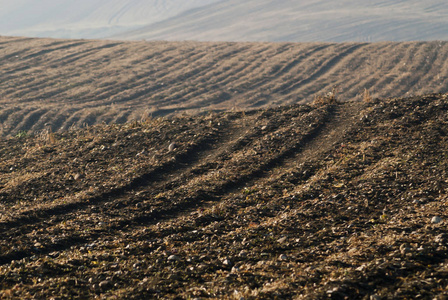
<point>173,210</point>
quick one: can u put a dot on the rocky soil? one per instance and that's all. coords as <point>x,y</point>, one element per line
<point>340,200</point>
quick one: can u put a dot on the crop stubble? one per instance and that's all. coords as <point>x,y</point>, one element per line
<point>76,83</point>
<point>316,201</point>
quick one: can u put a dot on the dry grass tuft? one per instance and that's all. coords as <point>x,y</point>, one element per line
<point>366,96</point>
<point>328,98</point>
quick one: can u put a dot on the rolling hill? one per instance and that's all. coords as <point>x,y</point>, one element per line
<point>59,84</point>
<point>86,18</point>
<point>230,20</point>
<point>323,201</point>
<point>304,21</point>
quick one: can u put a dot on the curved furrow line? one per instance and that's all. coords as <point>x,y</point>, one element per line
<point>211,157</point>
<point>390,65</point>
<point>59,120</point>
<point>354,76</point>
<point>81,53</point>
<point>196,81</point>
<point>307,64</point>
<point>443,76</point>
<point>6,112</point>
<point>436,68</point>
<point>331,132</point>
<point>14,54</point>
<point>49,49</point>
<point>232,145</point>
<point>402,73</point>
<point>228,56</point>
<point>250,62</point>
<point>323,69</point>
<point>295,61</point>
<point>211,66</point>
<point>103,89</point>
<point>204,69</point>
<point>244,69</point>
<point>13,119</point>
<point>119,94</point>
<point>30,119</point>
<point>352,85</point>
<point>422,64</point>
<point>9,40</point>
<point>45,119</point>
<point>122,116</point>
<point>223,188</point>
<point>37,45</point>
<point>156,173</point>
<point>279,70</point>
<point>164,172</point>
<point>335,76</point>
<point>72,120</point>
<point>157,93</point>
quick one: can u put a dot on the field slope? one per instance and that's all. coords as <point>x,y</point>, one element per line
<point>329,200</point>
<point>303,21</point>
<point>57,84</point>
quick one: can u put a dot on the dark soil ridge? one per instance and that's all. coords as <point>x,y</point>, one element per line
<point>63,84</point>
<point>330,200</point>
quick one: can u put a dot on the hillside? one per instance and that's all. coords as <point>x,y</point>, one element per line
<point>329,200</point>
<point>303,21</point>
<point>58,84</point>
<point>86,18</point>
<point>230,20</point>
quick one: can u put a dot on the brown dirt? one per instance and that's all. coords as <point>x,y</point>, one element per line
<point>329,200</point>
<point>81,82</point>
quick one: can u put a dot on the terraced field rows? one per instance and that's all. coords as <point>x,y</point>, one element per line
<point>65,83</point>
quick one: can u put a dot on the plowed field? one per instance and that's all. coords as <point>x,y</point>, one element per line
<point>329,200</point>
<point>65,83</point>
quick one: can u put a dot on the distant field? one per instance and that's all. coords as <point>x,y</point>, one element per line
<point>69,83</point>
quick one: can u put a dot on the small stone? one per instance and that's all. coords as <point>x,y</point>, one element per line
<point>283,257</point>
<point>281,240</point>
<point>235,269</point>
<point>375,297</point>
<point>436,220</point>
<point>78,176</point>
<point>227,262</point>
<point>172,146</point>
<point>173,258</point>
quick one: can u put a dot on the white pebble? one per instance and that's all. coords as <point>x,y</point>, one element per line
<point>173,258</point>
<point>283,257</point>
<point>172,146</point>
<point>436,220</point>
<point>227,262</point>
<point>281,240</point>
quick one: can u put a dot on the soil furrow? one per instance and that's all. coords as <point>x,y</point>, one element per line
<point>324,69</point>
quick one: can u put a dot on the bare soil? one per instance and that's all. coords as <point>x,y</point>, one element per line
<point>58,84</point>
<point>335,199</point>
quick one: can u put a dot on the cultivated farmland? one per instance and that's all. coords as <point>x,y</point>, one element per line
<point>329,200</point>
<point>59,84</point>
